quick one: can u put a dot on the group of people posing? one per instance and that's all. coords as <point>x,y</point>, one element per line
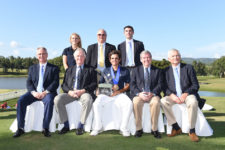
<point>134,82</point>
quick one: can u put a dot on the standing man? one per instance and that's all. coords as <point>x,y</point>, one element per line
<point>146,85</point>
<point>79,84</point>
<point>97,54</point>
<point>130,49</point>
<point>42,83</point>
<point>181,87</point>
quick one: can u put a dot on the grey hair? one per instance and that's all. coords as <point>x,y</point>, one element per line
<point>173,50</point>
<point>145,52</point>
<point>80,49</point>
<point>45,49</point>
<point>103,30</point>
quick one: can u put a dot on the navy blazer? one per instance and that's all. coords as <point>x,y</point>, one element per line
<point>88,80</point>
<point>92,54</point>
<point>51,78</point>
<point>138,48</point>
<point>188,80</point>
<point>137,81</point>
<point>124,76</point>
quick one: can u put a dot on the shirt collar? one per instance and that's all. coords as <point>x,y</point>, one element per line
<point>178,67</point>
<point>82,66</point>
<point>103,44</point>
<point>127,40</point>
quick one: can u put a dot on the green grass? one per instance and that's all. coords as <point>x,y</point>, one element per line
<point>212,84</point>
<point>6,90</point>
<point>111,140</point>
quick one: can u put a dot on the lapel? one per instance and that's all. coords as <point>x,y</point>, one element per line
<point>182,74</point>
<point>37,72</point>
<point>124,52</point>
<point>95,53</point>
<point>142,76</point>
<point>172,82</point>
<point>83,74</point>
<point>46,72</point>
<point>106,50</point>
<point>135,47</point>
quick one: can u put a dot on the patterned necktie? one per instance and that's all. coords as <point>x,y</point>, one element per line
<point>101,61</point>
<point>78,77</point>
<point>147,86</point>
<point>177,82</point>
<point>40,81</point>
<point>129,58</point>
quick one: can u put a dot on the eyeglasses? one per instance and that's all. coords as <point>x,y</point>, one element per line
<point>101,34</point>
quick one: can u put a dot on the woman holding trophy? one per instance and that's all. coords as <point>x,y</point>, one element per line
<point>112,111</point>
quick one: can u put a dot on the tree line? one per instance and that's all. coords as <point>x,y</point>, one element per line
<point>217,68</point>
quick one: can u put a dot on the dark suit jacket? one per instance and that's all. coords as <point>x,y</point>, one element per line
<point>51,78</point>
<point>88,80</point>
<point>188,81</point>
<point>124,76</point>
<point>137,81</point>
<point>138,48</point>
<point>92,54</point>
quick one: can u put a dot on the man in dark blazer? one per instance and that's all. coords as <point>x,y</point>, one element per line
<point>94,51</point>
<point>130,49</point>
<point>146,85</point>
<point>42,83</point>
<point>181,86</point>
<point>79,83</point>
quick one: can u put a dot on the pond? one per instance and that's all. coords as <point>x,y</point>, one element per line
<point>211,94</point>
<point>13,83</point>
<point>20,83</point>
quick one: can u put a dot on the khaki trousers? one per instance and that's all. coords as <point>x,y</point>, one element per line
<point>192,107</point>
<point>154,104</point>
<point>61,100</point>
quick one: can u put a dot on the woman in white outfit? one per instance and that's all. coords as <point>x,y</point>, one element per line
<point>113,112</point>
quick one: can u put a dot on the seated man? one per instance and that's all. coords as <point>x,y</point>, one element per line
<point>79,84</point>
<point>42,83</point>
<point>119,77</point>
<point>146,85</point>
<point>181,86</point>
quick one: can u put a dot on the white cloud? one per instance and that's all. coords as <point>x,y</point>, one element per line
<point>1,43</point>
<point>215,50</point>
<point>16,52</point>
<point>14,44</point>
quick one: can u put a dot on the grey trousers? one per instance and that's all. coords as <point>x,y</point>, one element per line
<point>192,107</point>
<point>61,100</point>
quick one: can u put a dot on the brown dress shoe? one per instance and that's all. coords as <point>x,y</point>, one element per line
<point>193,137</point>
<point>175,132</point>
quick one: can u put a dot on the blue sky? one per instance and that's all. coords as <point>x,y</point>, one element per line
<point>195,27</point>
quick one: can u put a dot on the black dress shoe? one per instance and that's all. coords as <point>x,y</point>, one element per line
<point>64,130</point>
<point>156,134</point>
<point>46,133</point>
<point>79,131</point>
<point>18,133</point>
<point>138,133</point>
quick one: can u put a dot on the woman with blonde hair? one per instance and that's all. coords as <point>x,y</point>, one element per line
<point>68,58</point>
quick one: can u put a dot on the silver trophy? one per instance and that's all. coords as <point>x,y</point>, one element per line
<point>105,88</point>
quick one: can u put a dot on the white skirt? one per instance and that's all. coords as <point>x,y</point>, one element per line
<point>35,115</point>
<point>202,128</point>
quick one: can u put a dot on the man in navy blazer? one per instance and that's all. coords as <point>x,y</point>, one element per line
<point>181,86</point>
<point>130,49</point>
<point>94,57</point>
<point>42,83</point>
<point>80,82</point>
<point>146,85</point>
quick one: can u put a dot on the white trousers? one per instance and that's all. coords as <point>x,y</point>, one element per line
<point>112,112</point>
